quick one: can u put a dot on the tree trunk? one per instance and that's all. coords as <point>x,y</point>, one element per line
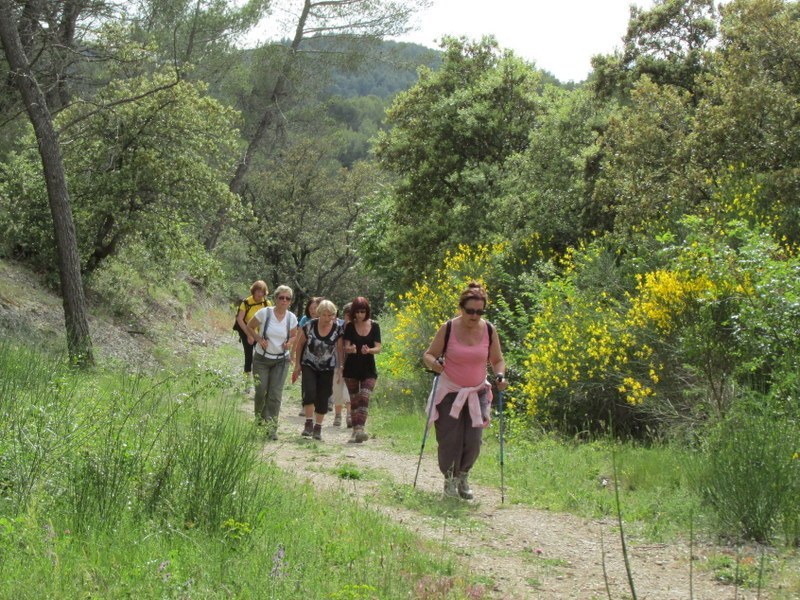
<point>79,340</point>
<point>267,120</point>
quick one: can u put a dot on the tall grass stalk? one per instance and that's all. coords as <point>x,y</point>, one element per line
<point>621,527</point>
<point>603,561</point>
<point>691,557</point>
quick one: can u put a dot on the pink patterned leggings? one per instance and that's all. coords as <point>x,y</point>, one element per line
<point>360,391</point>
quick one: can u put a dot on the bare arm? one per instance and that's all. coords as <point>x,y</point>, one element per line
<point>299,344</point>
<point>252,329</point>
<point>339,358</point>
<point>240,320</point>
<point>431,356</point>
<point>498,362</point>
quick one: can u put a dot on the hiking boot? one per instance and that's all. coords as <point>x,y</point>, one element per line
<point>360,434</point>
<point>349,422</point>
<point>317,433</point>
<point>463,486</point>
<point>273,436</point>
<point>308,429</point>
<point>337,420</point>
<point>451,487</point>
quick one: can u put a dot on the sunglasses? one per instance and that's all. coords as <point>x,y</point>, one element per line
<point>284,297</point>
<point>474,311</point>
<point>361,310</point>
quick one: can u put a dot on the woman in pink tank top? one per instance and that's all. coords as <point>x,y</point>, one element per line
<point>463,398</point>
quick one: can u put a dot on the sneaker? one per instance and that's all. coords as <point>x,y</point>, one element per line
<point>463,487</point>
<point>337,421</point>
<point>317,433</point>
<point>360,435</point>
<point>451,487</point>
<point>349,422</point>
<point>308,429</point>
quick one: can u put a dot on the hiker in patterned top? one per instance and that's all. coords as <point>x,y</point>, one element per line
<point>245,311</point>
<point>362,341</point>
<point>460,409</point>
<point>318,356</point>
<point>275,330</point>
<point>309,313</point>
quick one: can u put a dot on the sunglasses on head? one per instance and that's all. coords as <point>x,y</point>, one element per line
<point>474,311</point>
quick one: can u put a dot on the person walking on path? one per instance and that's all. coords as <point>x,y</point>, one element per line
<point>318,356</point>
<point>275,330</point>
<point>311,310</point>
<point>247,308</point>
<point>362,341</point>
<point>341,397</point>
<point>309,313</point>
<point>460,409</point>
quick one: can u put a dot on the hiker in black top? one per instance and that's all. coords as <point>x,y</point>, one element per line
<point>244,312</point>
<point>362,341</point>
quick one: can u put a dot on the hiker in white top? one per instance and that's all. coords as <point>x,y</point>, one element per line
<point>276,329</point>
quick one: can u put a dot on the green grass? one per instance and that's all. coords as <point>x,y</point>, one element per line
<point>118,485</point>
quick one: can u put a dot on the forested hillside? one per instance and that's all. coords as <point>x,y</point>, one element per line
<point>638,233</point>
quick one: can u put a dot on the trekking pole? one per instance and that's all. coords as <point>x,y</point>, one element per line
<point>502,432</point>
<point>427,426</point>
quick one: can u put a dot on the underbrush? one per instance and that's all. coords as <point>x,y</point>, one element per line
<point>118,485</point>
<point>547,472</point>
<point>666,488</point>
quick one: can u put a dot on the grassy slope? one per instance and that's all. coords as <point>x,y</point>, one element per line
<point>114,484</point>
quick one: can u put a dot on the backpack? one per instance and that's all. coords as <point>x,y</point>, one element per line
<point>449,326</point>
<point>247,307</point>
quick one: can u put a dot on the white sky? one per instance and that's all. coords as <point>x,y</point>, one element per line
<point>560,36</point>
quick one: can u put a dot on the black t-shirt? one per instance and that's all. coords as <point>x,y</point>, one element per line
<point>361,366</point>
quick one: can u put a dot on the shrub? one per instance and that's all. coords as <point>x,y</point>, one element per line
<point>752,474</point>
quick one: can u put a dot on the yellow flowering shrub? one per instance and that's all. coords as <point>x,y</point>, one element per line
<point>663,295</point>
<point>586,343</point>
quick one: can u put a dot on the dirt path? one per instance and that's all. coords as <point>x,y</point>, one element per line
<point>526,553</point>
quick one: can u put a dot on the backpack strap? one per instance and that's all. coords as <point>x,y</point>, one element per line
<point>266,322</point>
<point>447,328</point>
